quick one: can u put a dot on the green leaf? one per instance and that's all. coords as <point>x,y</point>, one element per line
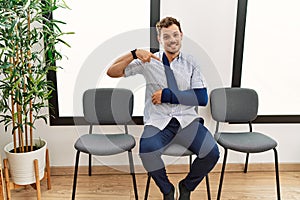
<point>18,82</point>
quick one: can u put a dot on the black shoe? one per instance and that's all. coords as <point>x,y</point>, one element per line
<point>184,193</point>
<point>170,195</point>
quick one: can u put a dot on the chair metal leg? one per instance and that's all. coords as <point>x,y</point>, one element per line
<point>133,174</point>
<point>246,163</point>
<point>191,161</point>
<point>90,164</point>
<point>147,186</point>
<point>222,174</point>
<point>207,188</point>
<point>75,175</point>
<point>277,173</point>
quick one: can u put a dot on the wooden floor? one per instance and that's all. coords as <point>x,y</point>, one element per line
<point>237,186</point>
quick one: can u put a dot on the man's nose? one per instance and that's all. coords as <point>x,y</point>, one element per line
<point>172,39</point>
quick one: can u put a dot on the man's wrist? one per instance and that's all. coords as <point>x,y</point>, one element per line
<point>133,53</point>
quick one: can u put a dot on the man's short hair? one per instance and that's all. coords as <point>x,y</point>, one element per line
<point>166,22</point>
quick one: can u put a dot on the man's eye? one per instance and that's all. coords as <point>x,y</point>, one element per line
<point>166,37</point>
<point>176,35</point>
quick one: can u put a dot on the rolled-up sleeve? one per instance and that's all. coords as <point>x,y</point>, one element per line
<point>135,67</point>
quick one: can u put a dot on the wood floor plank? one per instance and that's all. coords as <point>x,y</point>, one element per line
<point>237,186</point>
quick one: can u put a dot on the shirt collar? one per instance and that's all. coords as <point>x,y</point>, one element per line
<point>180,56</point>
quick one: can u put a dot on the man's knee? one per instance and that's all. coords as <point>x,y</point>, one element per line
<point>147,146</point>
<point>214,154</point>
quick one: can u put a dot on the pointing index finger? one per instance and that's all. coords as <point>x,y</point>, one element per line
<point>155,57</point>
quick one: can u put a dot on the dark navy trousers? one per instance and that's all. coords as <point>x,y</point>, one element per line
<point>195,137</point>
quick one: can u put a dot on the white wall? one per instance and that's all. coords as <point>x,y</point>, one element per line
<point>198,18</point>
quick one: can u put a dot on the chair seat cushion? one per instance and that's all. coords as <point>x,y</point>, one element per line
<point>248,142</point>
<point>177,150</point>
<point>104,144</point>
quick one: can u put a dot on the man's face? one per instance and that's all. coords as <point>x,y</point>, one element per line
<point>170,38</point>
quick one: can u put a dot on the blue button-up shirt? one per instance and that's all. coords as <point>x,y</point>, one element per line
<point>188,76</point>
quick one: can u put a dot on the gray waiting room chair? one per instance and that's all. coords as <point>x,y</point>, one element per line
<point>177,150</point>
<point>106,106</point>
<point>239,105</point>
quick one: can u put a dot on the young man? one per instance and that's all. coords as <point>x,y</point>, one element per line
<point>170,114</point>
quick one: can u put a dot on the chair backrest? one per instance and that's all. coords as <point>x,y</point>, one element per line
<point>108,106</point>
<point>234,104</point>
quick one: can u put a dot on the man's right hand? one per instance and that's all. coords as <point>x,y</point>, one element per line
<point>145,56</point>
<point>117,68</point>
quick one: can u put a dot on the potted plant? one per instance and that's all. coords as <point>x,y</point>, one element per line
<point>27,39</point>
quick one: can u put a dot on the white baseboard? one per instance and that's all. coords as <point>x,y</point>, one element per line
<point>180,168</point>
